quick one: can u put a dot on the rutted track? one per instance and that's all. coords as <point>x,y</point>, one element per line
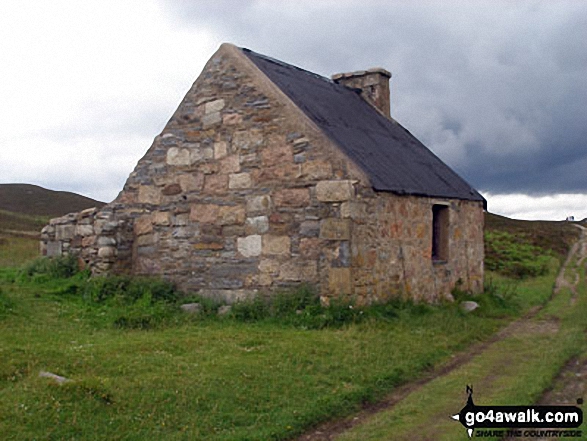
<point>331,430</point>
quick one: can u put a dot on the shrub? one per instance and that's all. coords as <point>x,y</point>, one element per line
<point>301,308</point>
<point>46,268</point>
<point>143,313</point>
<point>292,302</point>
<point>514,256</point>
<point>251,310</point>
<point>127,289</point>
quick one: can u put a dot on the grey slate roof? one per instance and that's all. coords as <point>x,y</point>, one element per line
<point>392,158</point>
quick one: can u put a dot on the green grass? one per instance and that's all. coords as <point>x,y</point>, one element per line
<point>17,250</point>
<point>19,237</point>
<point>207,377</point>
<point>549,236</point>
<point>143,370</point>
<point>514,371</point>
<point>21,222</point>
<point>514,256</point>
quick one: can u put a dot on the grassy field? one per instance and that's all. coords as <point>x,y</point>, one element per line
<point>19,237</point>
<point>141,369</point>
<point>24,211</point>
<point>212,378</point>
<point>516,370</point>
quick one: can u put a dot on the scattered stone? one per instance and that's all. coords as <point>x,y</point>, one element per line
<point>224,310</point>
<point>191,308</point>
<point>57,378</point>
<point>469,306</point>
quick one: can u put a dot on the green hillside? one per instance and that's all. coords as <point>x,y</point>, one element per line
<point>24,210</point>
<point>556,236</point>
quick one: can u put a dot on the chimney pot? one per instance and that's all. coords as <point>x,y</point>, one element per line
<point>373,84</point>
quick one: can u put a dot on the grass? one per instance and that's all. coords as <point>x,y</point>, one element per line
<point>549,236</point>
<point>142,369</point>
<point>10,221</point>
<point>206,377</point>
<point>514,371</point>
<point>19,237</point>
<point>514,256</point>
<point>527,364</point>
<point>16,250</point>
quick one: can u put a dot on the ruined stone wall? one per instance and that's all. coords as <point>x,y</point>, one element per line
<point>391,248</point>
<point>101,241</point>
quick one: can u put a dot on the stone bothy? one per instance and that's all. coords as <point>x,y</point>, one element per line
<point>267,176</point>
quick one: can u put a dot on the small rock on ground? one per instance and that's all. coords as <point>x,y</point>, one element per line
<point>191,308</point>
<point>225,309</point>
<point>469,306</point>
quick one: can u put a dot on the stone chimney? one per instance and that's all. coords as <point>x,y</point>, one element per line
<point>373,84</point>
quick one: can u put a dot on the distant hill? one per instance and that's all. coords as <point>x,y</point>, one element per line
<point>33,200</point>
<point>558,236</point>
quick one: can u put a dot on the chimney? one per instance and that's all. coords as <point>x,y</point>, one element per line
<point>373,84</point>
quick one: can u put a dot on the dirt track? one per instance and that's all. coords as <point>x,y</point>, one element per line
<point>570,384</point>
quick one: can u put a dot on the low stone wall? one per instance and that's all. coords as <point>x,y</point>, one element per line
<point>96,237</point>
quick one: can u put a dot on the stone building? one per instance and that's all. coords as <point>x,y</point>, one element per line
<point>268,175</point>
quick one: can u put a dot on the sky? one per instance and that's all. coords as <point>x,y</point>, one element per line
<point>497,89</point>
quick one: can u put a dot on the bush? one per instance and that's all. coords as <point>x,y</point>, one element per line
<point>302,308</point>
<point>127,289</point>
<point>292,302</point>
<point>131,302</point>
<point>144,313</point>
<point>46,268</point>
<point>251,310</point>
<point>514,256</point>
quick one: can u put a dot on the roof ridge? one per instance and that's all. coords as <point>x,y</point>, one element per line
<point>284,64</point>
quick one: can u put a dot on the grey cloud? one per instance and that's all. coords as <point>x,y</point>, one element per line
<point>496,89</point>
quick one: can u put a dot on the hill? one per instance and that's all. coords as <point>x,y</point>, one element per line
<point>33,200</point>
<point>558,236</point>
<point>24,210</point>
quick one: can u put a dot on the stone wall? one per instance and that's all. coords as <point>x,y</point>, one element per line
<point>99,239</point>
<point>234,197</point>
<point>391,248</point>
<point>241,195</point>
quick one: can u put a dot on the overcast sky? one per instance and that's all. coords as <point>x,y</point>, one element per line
<point>498,90</point>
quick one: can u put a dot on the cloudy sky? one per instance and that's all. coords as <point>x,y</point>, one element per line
<point>498,90</point>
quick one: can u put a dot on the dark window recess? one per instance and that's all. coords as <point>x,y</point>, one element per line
<point>440,233</point>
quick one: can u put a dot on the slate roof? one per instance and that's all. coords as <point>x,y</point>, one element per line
<point>393,159</point>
